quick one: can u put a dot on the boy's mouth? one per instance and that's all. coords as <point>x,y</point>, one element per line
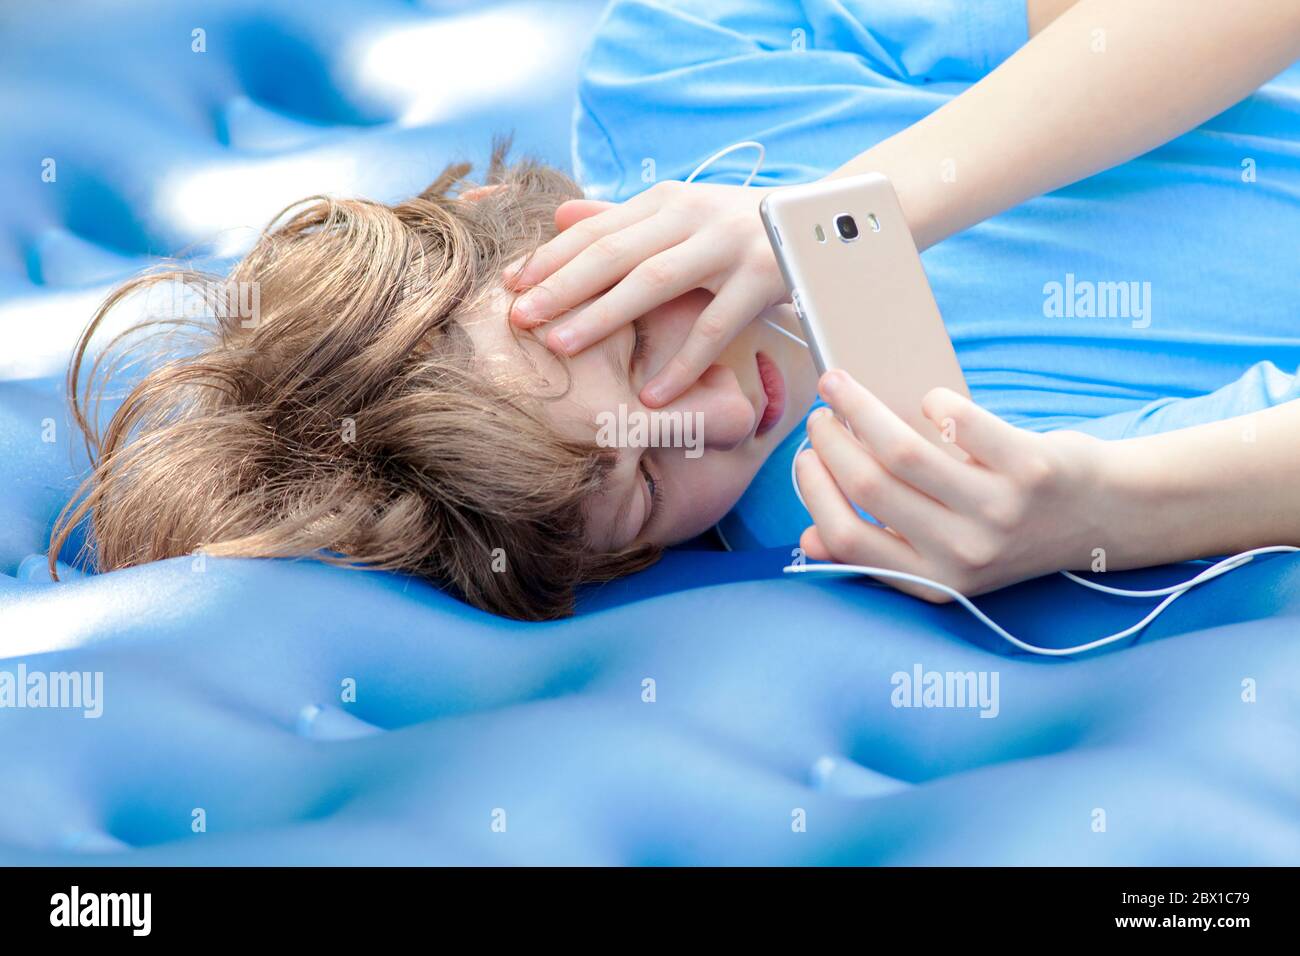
<point>773,391</point>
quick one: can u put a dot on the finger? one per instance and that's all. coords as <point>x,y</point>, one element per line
<point>655,281</point>
<point>842,534</point>
<point>596,268</point>
<point>980,433</point>
<point>734,306</point>
<point>864,481</point>
<point>898,446</point>
<point>576,210</point>
<point>563,247</point>
<point>813,546</point>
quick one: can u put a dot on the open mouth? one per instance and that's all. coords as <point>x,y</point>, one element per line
<point>774,390</point>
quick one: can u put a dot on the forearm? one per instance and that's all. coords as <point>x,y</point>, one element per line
<point>1039,13</point>
<point>1218,488</point>
<point>1104,81</point>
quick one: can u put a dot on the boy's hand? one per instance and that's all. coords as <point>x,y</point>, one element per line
<point>670,239</point>
<point>1024,504</point>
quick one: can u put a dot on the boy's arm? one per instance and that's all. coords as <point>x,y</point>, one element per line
<point>1104,81</point>
<point>1042,12</point>
<point>1217,488</point>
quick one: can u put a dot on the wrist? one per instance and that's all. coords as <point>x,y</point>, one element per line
<point>1157,513</point>
<point>1110,514</point>
<point>1128,493</point>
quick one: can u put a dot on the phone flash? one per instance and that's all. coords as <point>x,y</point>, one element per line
<point>820,232</point>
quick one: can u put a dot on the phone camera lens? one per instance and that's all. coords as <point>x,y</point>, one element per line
<point>846,226</point>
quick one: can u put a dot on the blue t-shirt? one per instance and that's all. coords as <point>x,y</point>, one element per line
<point>1159,294</point>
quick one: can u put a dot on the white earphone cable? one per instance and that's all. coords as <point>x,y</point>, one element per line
<point>744,144</point>
<point>1171,593</point>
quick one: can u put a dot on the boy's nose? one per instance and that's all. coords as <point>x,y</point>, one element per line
<point>727,417</point>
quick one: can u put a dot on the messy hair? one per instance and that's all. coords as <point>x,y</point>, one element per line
<point>349,421</point>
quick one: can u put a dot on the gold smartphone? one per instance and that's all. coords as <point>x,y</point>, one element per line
<point>860,291</point>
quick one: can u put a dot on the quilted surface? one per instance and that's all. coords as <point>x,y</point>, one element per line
<point>707,711</point>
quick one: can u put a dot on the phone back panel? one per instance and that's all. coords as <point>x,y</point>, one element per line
<point>865,305</point>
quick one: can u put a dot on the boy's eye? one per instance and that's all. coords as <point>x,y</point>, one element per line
<point>639,342</point>
<point>656,496</point>
<point>650,484</point>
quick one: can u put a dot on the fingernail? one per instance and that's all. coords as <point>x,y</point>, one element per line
<point>563,339</point>
<point>833,380</point>
<point>511,272</point>
<point>523,309</point>
<point>653,395</point>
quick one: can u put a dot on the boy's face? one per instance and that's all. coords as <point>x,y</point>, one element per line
<point>679,468</point>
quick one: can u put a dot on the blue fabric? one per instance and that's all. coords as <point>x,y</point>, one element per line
<point>1209,221</point>
<point>320,715</point>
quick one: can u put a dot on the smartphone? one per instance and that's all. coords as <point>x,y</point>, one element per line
<point>860,291</point>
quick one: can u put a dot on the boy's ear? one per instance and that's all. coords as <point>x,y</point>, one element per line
<point>576,210</point>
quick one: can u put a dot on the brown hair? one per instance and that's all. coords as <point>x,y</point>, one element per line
<point>348,421</point>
